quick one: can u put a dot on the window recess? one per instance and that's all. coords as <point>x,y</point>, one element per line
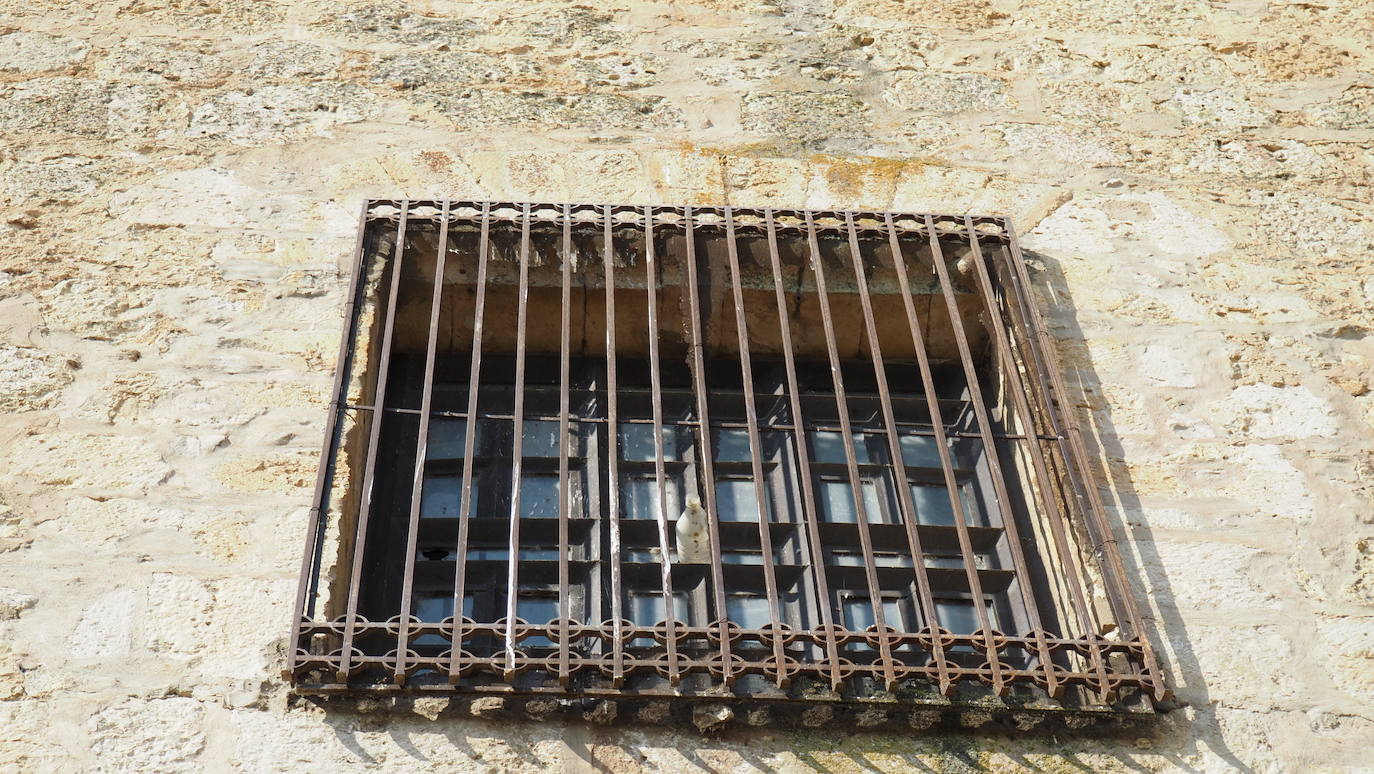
<point>783,457</point>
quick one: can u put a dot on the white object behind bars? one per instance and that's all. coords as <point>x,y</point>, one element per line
<point>693,545</point>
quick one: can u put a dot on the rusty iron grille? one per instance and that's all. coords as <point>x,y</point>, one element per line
<point>690,452</point>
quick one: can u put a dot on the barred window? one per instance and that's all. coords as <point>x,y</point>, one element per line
<point>679,454</point>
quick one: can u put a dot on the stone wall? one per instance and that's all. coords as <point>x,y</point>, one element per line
<point>179,182</point>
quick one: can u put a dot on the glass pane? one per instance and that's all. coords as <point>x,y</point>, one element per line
<point>737,500</point>
<point>837,503</point>
<point>858,613</point>
<point>539,497</point>
<point>747,610</point>
<point>536,610</point>
<point>639,498</point>
<point>646,609</point>
<point>920,451</point>
<point>446,439</point>
<point>538,554</point>
<point>958,615</point>
<point>733,446</point>
<point>933,508</point>
<point>541,438</point>
<point>828,447</point>
<point>434,609</point>
<point>892,614</point>
<point>441,497</point>
<point>637,442</point>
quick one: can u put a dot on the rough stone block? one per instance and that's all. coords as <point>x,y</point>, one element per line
<point>35,52</point>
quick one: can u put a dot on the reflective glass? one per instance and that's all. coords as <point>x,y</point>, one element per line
<point>837,503</point>
<point>828,447</point>
<point>737,500</point>
<point>637,442</point>
<point>646,608</point>
<point>747,610</point>
<point>539,497</point>
<point>933,508</point>
<point>958,615</point>
<point>447,438</point>
<point>732,445</point>
<point>541,438</point>
<point>920,451</point>
<point>441,497</point>
<point>639,498</point>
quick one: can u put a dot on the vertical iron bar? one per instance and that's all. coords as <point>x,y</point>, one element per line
<point>656,387</point>
<point>613,458</point>
<point>851,463</point>
<point>416,487</point>
<point>708,493</point>
<point>306,587</point>
<point>755,452</point>
<point>469,448</point>
<point>1056,403</point>
<point>894,444</point>
<point>564,495</point>
<point>370,466</point>
<point>803,460</point>
<point>517,444</point>
<point>1042,491</point>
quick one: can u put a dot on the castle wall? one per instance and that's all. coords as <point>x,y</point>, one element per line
<point>179,187</point>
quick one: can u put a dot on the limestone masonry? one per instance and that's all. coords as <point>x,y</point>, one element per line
<point>179,187</point>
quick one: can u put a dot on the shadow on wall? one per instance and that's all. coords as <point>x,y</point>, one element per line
<point>1186,739</point>
<point>1139,550</point>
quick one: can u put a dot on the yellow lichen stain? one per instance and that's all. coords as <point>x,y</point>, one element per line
<point>849,179</point>
<point>854,179</point>
<point>265,474</point>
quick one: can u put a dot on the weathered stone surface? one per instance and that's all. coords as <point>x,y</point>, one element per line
<point>179,181</point>
<point>809,118</point>
<point>78,460</point>
<point>13,602</point>
<point>106,627</point>
<point>938,92</point>
<point>163,60</point>
<point>138,736</point>
<point>275,113</point>
<point>1353,109</point>
<point>35,52</point>
<point>30,379</point>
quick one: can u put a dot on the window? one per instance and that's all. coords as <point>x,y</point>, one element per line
<point>651,452</point>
